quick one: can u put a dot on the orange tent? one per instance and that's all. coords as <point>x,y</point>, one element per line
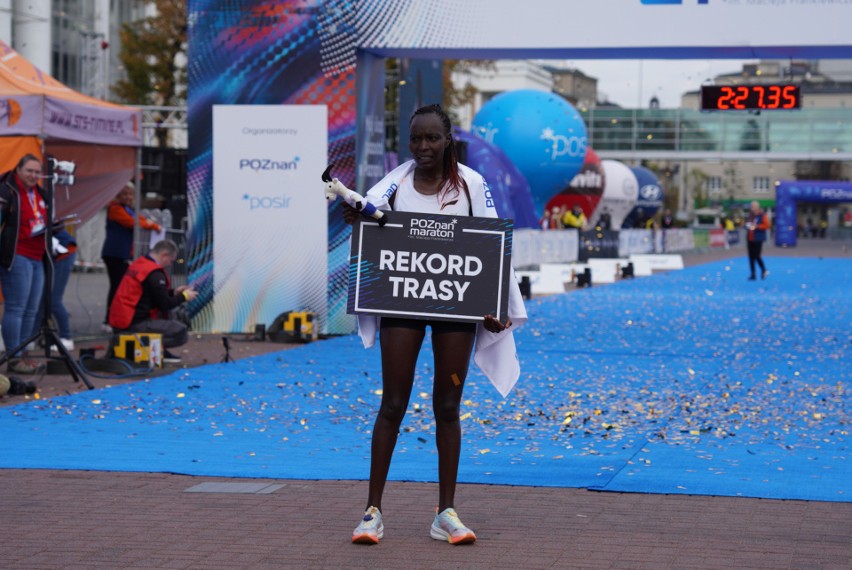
<point>40,115</point>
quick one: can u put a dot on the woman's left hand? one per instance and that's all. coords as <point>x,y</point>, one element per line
<point>494,325</point>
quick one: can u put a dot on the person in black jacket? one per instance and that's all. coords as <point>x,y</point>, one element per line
<point>23,217</point>
<point>145,297</point>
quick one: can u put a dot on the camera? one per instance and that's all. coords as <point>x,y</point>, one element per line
<point>64,165</point>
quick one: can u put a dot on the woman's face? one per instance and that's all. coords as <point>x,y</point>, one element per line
<point>29,173</point>
<point>427,141</point>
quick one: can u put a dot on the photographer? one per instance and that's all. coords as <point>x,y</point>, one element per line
<point>145,297</point>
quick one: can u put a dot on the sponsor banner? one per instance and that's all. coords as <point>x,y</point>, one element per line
<point>598,244</point>
<point>635,241</point>
<point>718,238</point>
<point>678,240</point>
<point>370,149</point>
<point>20,115</point>
<point>428,266</point>
<point>85,123</point>
<point>701,238</point>
<point>270,221</point>
<point>534,247</point>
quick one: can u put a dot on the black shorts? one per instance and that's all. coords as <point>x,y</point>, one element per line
<point>438,327</point>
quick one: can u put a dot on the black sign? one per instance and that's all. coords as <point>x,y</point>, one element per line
<point>427,266</point>
<point>594,243</point>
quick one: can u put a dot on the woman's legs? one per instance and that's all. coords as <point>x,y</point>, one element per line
<point>400,347</point>
<point>20,284</point>
<point>452,358</point>
<point>29,325</point>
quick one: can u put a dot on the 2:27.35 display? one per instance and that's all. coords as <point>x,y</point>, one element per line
<point>750,97</point>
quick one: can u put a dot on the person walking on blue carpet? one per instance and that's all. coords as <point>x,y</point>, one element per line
<point>757,226</point>
<point>435,183</point>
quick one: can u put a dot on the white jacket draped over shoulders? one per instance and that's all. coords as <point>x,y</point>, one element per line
<point>495,353</point>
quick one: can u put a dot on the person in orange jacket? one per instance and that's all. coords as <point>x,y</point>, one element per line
<point>758,227</point>
<point>118,245</point>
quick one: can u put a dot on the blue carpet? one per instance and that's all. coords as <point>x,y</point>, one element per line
<point>694,382</point>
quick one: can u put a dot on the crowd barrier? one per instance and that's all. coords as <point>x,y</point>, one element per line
<point>536,247</point>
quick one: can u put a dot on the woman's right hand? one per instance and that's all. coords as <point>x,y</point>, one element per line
<point>350,214</point>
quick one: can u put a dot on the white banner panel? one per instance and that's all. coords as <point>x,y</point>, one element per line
<point>534,247</point>
<point>635,241</point>
<point>270,220</point>
<point>582,29</point>
<point>678,240</point>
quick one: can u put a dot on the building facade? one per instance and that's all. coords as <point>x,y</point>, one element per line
<point>75,41</point>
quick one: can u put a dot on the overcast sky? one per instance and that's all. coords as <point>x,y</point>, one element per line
<point>632,83</point>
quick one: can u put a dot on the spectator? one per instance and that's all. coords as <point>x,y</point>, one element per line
<point>667,221</point>
<point>556,218</point>
<point>118,244</point>
<point>575,219</point>
<point>145,297</point>
<point>23,215</point>
<point>605,220</point>
<point>64,252</point>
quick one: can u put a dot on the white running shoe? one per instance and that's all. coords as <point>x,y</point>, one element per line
<point>370,529</point>
<point>447,526</point>
<point>66,342</point>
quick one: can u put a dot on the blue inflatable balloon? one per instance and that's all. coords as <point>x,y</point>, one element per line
<point>650,196</point>
<point>541,133</point>
<point>509,188</point>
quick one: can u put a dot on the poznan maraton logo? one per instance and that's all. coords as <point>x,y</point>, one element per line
<point>433,229</point>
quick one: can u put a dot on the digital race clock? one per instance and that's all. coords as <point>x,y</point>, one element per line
<point>750,97</point>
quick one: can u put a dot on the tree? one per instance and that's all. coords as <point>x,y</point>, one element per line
<point>153,53</point>
<point>732,183</point>
<point>697,184</point>
<point>455,98</point>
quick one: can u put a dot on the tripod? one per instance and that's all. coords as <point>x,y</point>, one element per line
<point>46,332</point>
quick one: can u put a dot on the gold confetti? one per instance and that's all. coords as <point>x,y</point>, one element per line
<point>181,395</point>
<point>465,416</point>
<point>455,378</point>
<point>96,401</point>
<point>484,451</point>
